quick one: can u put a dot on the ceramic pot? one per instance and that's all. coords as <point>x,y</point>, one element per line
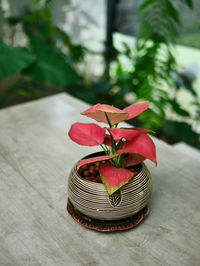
<point>92,199</point>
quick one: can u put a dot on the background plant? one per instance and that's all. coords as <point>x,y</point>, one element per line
<point>49,62</point>
<point>153,73</point>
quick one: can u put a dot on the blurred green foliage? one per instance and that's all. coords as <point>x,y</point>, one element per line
<point>153,67</point>
<point>49,60</point>
<point>50,63</point>
<point>9,54</point>
<point>189,34</point>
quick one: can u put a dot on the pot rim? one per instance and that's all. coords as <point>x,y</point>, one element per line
<point>99,153</point>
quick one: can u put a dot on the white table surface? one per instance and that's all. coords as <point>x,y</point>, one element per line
<point>36,156</point>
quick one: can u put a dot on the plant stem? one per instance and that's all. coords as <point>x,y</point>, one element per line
<point>119,145</point>
<point>119,161</point>
<point>108,120</point>
<point>112,139</point>
<point>105,149</point>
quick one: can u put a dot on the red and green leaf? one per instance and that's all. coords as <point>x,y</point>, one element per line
<point>142,145</point>
<point>132,159</point>
<point>88,134</point>
<point>95,159</point>
<point>103,112</point>
<point>114,178</point>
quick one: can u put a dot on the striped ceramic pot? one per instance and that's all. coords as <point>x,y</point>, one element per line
<point>92,199</point>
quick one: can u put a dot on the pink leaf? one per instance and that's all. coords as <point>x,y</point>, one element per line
<point>88,134</point>
<point>107,140</point>
<point>142,145</point>
<point>94,159</point>
<point>132,159</point>
<point>127,133</point>
<point>114,178</point>
<point>99,112</point>
<point>136,109</point>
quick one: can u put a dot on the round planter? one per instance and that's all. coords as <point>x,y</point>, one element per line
<point>91,201</point>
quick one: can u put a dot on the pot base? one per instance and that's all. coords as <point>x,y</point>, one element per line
<point>107,226</point>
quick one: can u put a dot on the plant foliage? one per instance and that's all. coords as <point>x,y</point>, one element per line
<point>153,74</point>
<point>14,59</point>
<point>123,147</point>
<point>49,60</point>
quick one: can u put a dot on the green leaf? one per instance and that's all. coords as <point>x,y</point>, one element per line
<point>144,5</point>
<point>180,131</point>
<point>188,2</point>
<point>51,66</point>
<point>38,22</point>
<point>177,108</point>
<point>191,90</point>
<point>13,59</point>
<point>76,51</point>
<point>59,74</point>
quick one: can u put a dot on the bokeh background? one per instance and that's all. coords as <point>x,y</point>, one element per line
<point>107,51</point>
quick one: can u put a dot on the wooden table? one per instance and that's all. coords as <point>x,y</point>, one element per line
<point>35,160</point>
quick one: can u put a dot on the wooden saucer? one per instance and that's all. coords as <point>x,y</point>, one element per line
<point>107,226</point>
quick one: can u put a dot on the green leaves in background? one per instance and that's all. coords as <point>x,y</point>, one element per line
<point>188,2</point>
<point>45,63</point>
<point>51,65</point>
<point>76,51</point>
<point>153,67</point>
<point>178,109</point>
<point>14,59</point>
<point>185,132</point>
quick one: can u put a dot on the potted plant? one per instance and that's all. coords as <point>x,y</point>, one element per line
<point>110,190</point>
